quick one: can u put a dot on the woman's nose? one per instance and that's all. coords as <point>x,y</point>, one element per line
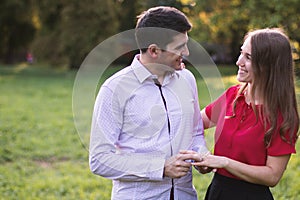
<point>239,60</point>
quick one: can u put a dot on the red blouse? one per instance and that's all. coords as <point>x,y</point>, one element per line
<point>242,137</point>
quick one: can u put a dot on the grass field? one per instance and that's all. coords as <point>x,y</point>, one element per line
<point>41,155</point>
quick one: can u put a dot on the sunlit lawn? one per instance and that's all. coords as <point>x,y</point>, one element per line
<point>41,154</point>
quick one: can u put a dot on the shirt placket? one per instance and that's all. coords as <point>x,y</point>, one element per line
<point>238,119</point>
<point>169,130</point>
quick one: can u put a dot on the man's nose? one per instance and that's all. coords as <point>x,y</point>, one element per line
<point>185,51</point>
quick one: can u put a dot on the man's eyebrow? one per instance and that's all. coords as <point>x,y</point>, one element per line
<point>181,45</point>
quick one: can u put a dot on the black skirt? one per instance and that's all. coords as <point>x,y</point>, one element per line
<point>225,188</point>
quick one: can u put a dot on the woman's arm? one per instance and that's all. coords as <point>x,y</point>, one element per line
<point>268,175</point>
<point>207,123</point>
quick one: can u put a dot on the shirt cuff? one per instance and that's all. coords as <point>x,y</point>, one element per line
<point>156,169</point>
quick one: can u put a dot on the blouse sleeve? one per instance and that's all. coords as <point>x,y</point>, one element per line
<point>216,109</point>
<point>279,147</point>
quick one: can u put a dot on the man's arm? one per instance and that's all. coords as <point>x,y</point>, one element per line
<point>105,159</point>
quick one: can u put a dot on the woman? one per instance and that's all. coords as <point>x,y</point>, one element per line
<point>256,121</point>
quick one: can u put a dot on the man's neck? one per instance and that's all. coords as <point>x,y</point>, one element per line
<point>154,68</point>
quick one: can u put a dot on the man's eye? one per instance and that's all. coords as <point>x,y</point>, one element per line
<point>180,47</point>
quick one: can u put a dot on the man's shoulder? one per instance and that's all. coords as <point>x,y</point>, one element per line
<point>116,77</point>
<point>186,73</point>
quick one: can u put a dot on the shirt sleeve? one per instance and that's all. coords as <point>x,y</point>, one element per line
<point>279,147</point>
<point>104,158</point>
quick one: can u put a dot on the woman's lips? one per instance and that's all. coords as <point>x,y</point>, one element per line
<point>242,71</point>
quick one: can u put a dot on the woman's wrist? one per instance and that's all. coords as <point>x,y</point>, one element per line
<point>225,162</point>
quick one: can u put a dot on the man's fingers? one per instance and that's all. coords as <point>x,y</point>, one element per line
<point>187,152</point>
<point>188,156</point>
<point>192,155</point>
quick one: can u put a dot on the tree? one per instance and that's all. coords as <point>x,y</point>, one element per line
<point>85,25</point>
<point>16,30</point>
<point>275,13</point>
<point>220,22</point>
<point>71,29</point>
<point>64,31</point>
<point>225,22</point>
<point>131,8</point>
<point>47,45</point>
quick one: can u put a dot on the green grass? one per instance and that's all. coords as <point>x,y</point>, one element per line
<point>41,155</point>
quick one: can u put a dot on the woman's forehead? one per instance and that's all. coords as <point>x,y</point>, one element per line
<point>247,44</point>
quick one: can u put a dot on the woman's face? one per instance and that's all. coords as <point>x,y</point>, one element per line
<point>245,72</point>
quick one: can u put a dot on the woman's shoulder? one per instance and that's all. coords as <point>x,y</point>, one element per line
<point>233,90</point>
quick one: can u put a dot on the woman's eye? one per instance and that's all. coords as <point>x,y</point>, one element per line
<point>247,55</point>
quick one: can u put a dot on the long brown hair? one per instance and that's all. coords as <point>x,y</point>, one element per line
<point>273,81</point>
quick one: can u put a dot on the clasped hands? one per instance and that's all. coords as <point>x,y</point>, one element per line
<point>179,165</point>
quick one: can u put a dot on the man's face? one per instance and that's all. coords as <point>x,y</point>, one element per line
<point>172,56</point>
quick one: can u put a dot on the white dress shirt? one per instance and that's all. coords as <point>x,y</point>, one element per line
<point>133,133</point>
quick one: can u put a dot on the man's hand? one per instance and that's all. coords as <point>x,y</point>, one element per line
<point>177,166</point>
<point>198,158</point>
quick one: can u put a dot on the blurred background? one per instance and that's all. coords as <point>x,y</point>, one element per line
<point>63,32</point>
<point>42,46</point>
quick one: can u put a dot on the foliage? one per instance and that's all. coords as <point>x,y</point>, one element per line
<point>225,22</point>
<point>16,29</point>
<point>64,31</point>
<point>73,28</point>
<point>41,155</point>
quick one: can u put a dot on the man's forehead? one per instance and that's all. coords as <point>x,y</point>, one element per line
<point>179,39</point>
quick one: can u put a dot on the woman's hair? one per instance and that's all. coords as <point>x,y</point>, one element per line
<point>159,25</point>
<point>273,81</point>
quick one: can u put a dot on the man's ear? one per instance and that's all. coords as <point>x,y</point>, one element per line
<point>153,50</point>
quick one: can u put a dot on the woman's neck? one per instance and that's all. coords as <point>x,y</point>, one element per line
<point>248,95</point>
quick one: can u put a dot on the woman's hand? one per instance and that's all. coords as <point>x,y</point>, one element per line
<point>196,159</point>
<point>206,159</point>
<point>269,174</point>
<point>212,161</point>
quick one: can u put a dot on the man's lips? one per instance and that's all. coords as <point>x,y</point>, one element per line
<point>179,60</point>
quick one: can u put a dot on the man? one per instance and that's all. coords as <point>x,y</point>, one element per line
<point>147,112</point>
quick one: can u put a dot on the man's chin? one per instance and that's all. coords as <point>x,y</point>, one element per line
<point>178,67</point>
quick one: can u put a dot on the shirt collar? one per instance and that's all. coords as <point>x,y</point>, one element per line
<point>143,74</point>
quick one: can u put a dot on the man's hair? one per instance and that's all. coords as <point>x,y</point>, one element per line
<point>159,25</point>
